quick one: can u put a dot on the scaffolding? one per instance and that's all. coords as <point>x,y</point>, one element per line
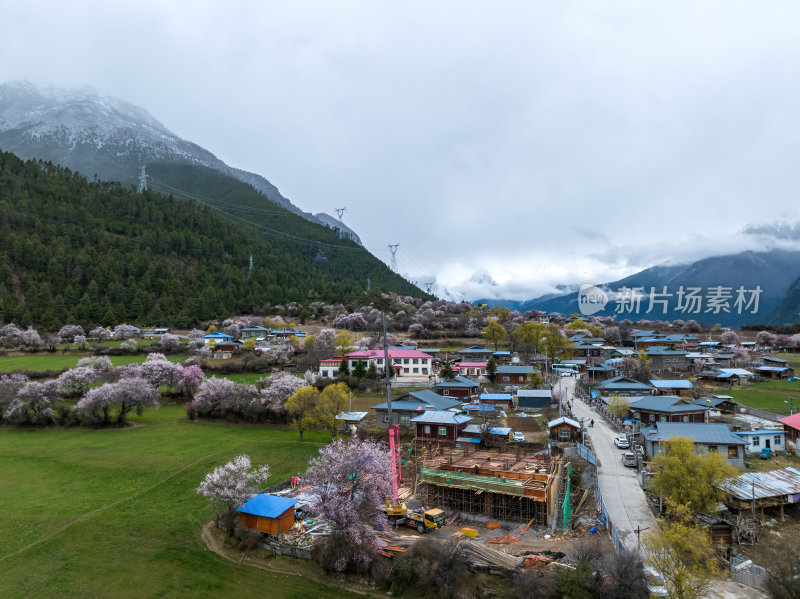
<point>504,486</point>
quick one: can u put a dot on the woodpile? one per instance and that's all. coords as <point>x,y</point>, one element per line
<point>484,557</point>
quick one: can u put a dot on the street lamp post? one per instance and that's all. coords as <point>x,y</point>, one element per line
<point>791,405</point>
<point>660,496</point>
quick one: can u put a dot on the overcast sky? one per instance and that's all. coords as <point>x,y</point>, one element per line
<point>540,142</point>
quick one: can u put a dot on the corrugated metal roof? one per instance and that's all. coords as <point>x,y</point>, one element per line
<point>494,430</point>
<point>763,485</point>
<point>671,384</point>
<point>496,396</point>
<point>663,403</point>
<point>791,421</point>
<point>563,420</point>
<point>441,417</point>
<point>715,433</point>
<point>515,370</point>
<point>351,416</point>
<point>267,506</point>
<point>535,393</point>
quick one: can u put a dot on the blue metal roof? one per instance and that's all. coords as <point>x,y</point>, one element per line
<point>707,433</point>
<point>515,370</point>
<point>440,417</point>
<point>671,384</point>
<point>496,396</point>
<point>267,506</point>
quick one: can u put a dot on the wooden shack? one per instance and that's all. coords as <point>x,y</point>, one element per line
<point>564,429</point>
<point>270,514</point>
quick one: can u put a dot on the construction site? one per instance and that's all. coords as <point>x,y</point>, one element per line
<point>506,486</point>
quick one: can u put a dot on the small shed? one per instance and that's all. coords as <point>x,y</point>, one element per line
<point>266,513</point>
<point>564,429</point>
<point>534,399</point>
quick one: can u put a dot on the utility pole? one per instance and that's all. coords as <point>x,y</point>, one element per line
<point>393,248</point>
<point>250,267</point>
<point>142,186</point>
<point>339,212</point>
<point>369,285</point>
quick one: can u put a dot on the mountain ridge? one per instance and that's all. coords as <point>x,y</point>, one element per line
<point>95,134</point>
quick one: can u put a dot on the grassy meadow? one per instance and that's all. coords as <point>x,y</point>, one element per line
<point>56,361</point>
<point>114,513</point>
<point>772,396</point>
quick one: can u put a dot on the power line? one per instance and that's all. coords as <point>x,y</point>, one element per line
<point>393,248</point>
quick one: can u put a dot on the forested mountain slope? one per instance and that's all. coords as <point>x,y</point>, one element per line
<point>97,253</point>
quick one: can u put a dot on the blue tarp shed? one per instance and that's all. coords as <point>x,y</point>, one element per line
<point>267,506</point>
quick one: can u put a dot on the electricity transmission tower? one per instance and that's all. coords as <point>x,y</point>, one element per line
<point>142,182</point>
<point>428,286</point>
<point>393,248</point>
<point>339,212</point>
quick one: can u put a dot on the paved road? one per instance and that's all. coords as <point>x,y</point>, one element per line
<point>624,498</point>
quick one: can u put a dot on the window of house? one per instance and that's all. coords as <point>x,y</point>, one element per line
<point>428,429</point>
<point>405,418</point>
<point>686,419</point>
<point>777,439</point>
<point>713,449</point>
<point>405,370</point>
<point>416,360</point>
<point>505,377</point>
<point>442,431</point>
<point>756,441</point>
<point>416,370</point>
<point>733,451</point>
<point>445,391</point>
<point>662,418</point>
<point>424,371</point>
<point>563,434</point>
<point>405,360</point>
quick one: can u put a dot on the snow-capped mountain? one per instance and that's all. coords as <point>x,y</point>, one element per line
<point>779,229</point>
<point>99,135</point>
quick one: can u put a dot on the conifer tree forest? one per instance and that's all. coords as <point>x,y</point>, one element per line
<point>98,253</point>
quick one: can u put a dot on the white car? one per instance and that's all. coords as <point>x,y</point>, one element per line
<point>518,436</point>
<point>621,442</point>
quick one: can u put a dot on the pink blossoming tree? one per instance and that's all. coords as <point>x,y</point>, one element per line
<point>229,486</point>
<point>351,479</point>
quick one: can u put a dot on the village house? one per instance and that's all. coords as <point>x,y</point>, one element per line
<point>502,401</point>
<point>439,426</point>
<point>707,437</point>
<point>476,353</point>
<point>459,387</point>
<point>720,403</point>
<point>774,372</point>
<point>678,387</point>
<point>329,367</point>
<point>564,429</point>
<point>476,369</point>
<point>217,339</point>
<point>752,490</point>
<point>791,424</point>
<point>257,333</point>
<point>502,357</point>
<point>666,359</point>
<point>406,362</point>
<point>624,386</point>
<point>592,354</point>
<point>534,399</point>
<point>602,372</point>
<point>413,404</point>
<point>774,440</point>
<point>666,408</point>
<point>514,375</point>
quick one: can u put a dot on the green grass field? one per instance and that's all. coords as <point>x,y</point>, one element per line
<point>56,361</point>
<point>772,396</point>
<point>114,513</point>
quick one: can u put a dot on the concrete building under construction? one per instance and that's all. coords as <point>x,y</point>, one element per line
<point>500,485</point>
